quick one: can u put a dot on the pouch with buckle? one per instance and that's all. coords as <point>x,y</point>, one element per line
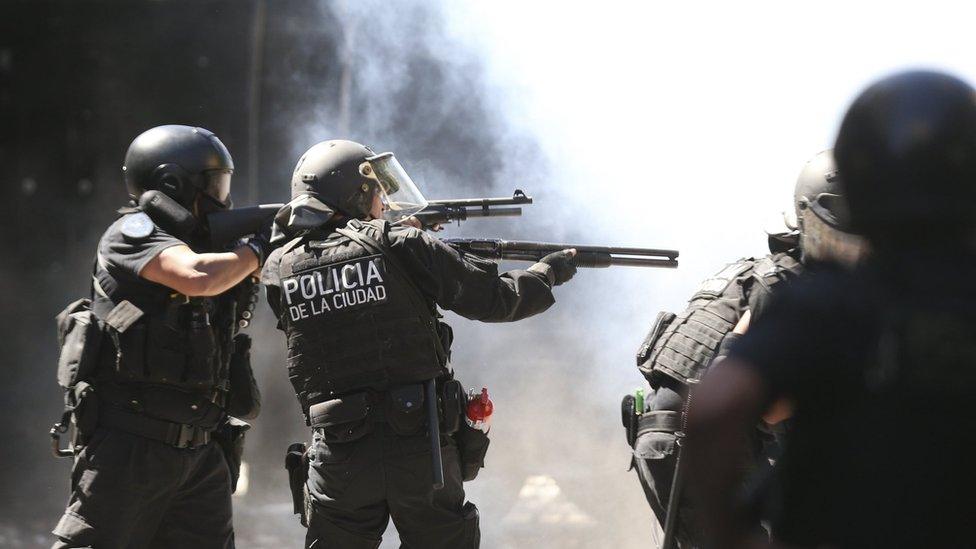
<point>129,336</point>
<point>405,413</point>
<point>343,419</point>
<point>80,337</point>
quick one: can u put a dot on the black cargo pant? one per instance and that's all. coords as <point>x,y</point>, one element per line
<point>356,487</point>
<point>655,456</point>
<point>131,492</point>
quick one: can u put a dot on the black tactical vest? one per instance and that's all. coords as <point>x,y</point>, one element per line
<point>682,346</point>
<point>157,338</point>
<point>352,319</point>
<point>890,405</point>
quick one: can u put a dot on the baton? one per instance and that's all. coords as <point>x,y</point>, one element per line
<point>434,428</point>
<point>677,482</point>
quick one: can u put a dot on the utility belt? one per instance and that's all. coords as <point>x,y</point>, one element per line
<point>228,433</point>
<point>350,416</point>
<point>191,417</point>
<point>178,435</point>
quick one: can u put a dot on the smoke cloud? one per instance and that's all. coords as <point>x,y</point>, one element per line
<point>418,84</point>
<point>630,123</point>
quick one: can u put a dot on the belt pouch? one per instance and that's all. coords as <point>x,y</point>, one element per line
<point>342,419</point>
<point>472,447</point>
<point>129,335</point>
<point>629,417</point>
<point>452,396</point>
<point>406,409</point>
<point>296,463</point>
<point>230,437</point>
<point>80,337</point>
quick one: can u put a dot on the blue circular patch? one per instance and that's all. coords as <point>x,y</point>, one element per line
<point>138,226</point>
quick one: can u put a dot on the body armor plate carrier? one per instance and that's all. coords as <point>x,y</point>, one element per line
<point>350,319</point>
<point>175,341</point>
<point>682,346</point>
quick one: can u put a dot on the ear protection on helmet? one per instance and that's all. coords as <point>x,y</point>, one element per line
<point>173,181</point>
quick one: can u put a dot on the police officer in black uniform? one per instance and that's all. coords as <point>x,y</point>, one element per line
<point>155,455</point>
<point>878,362</point>
<point>356,297</point>
<point>680,348</point>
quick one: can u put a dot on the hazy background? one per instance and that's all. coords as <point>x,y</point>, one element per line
<point>679,125</point>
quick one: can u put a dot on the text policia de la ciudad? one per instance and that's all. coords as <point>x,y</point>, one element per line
<point>335,287</point>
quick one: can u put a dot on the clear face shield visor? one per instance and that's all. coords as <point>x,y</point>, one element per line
<point>401,197</point>
<point>820,241</point>
<point>215,184</point>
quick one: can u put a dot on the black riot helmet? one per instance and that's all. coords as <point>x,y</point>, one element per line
<point>346,175</point>
<point>181,161</point>
<point>822,214</point>
<point>818,191</point>
<point>907,149</point>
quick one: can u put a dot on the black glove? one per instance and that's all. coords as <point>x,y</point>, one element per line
<point>562,265</point>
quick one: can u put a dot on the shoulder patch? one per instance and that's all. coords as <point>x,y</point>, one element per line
<point>138,226</point>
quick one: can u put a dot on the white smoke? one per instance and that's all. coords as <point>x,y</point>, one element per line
<point>669,125</point>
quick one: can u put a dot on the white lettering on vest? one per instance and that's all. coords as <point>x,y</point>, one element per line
<point>290,285</point>
<point>307,284</point>
<point>348,270</point>
<point>332,288</point>
<point>372,272</point>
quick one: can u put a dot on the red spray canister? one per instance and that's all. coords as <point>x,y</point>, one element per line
<point>479,410</point>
